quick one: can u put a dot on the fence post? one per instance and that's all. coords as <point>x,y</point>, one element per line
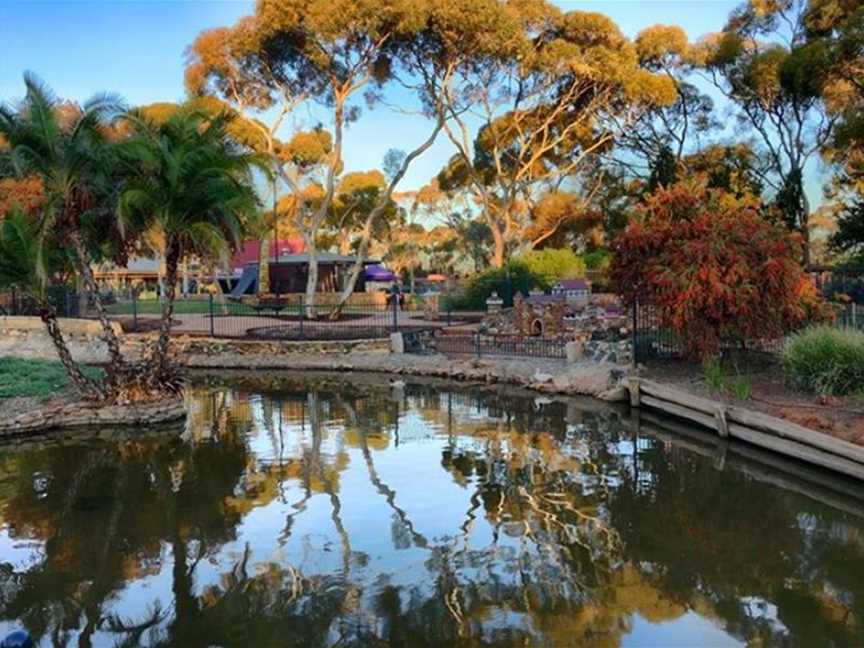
<point>302,313</point>
<point>395,299</point>
<point>134,311</point>
<point>212,323</point>
<point>477,343</point>
<point>634,361</point>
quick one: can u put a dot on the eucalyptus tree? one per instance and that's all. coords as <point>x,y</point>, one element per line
<point>552,91</point>
<point>760,62</point>
<point>309,51</point>
<point>68,150</point>
<point>663,135</point>
<point>189,190</point>
<point>835,40</point>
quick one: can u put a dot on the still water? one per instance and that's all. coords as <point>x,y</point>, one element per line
<point>321,513</point>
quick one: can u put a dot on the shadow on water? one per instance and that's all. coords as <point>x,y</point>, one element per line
<point>346,511</point>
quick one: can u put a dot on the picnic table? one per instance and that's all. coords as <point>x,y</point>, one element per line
<point>273,305</point>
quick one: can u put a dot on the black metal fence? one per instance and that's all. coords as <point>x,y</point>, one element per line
<point>282,318</point>
<point>652,340</point>
<point>500,345</point>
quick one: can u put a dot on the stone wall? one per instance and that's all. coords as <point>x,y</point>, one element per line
<point>79,414</point>
<point>35,343</point>
<point>69,326</point>
<point>32,341</point>
<point>183,346</point>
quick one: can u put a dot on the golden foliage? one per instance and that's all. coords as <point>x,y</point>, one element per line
<point>25,193</point>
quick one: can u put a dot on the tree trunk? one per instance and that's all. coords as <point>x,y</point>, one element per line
<point>82,257</point>
<point>357,268</point>
<point>160,353</point>
<point>87,388</point>
<point>311,280</point>
<point>264,267</point>
<point>500,245</point>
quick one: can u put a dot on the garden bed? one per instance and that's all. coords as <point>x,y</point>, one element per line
<point>841,417</point>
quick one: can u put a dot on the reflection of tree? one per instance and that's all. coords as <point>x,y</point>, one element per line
<point>571,528</point>
<point>713,534</point>
<point>101,516</point>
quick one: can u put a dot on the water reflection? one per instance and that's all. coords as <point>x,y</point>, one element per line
<point>363,514</point>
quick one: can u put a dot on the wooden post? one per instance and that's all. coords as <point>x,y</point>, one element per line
<point>722,425</point>
<point>635,396</point>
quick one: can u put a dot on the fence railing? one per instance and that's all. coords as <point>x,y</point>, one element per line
<point>501,345</point>
<point>267,318</point>
<point>654,341</point>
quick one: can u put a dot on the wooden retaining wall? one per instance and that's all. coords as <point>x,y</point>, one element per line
<point>757,429</point>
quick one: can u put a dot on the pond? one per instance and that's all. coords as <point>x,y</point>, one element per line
<point>362,513</point>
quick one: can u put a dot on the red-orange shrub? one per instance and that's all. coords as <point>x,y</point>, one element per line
<point>714,267</point>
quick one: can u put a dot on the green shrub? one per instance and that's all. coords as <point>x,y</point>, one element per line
<point>550,265</point>
<point>539,269</point>
<point>474,294</point>
<point>598,260</point>
<point>825,360</point>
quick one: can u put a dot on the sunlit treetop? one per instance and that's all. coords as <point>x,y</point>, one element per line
<point>240,127</point>
<point>661,46</point>
<point>307,148</point>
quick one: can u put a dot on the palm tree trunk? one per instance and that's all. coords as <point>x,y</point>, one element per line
<point>264,267</point>
<point>82,256</point>
<point>87,388</point>
<point>160,353</point>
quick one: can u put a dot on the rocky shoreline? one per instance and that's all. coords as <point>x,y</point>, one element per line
<point>604,381</point>
<point>81,414</point>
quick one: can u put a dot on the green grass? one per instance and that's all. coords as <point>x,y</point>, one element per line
<point>181,307</point>
<point>742,387</point>
<point>196,306</point>
<point>714,376</point>
<point>36,378</point>
<point>825,360</point>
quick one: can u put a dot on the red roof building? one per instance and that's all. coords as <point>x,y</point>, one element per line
<point>250,251</point>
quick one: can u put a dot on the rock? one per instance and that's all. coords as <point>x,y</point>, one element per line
<point>617,394</point>
<point>540,377</point>
<point>575,351</point>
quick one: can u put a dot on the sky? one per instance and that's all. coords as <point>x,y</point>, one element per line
<point>136,48</point>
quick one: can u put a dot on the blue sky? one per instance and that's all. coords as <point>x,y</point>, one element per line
<point>135,48</point>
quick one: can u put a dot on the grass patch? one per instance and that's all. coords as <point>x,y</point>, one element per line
<point>825,360</point>
<point>720,381</point>
<point>154,307</point>
<point>35,378</point>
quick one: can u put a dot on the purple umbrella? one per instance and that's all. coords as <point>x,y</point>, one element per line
<point>378,273</point>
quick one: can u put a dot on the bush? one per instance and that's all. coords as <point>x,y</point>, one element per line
<point>540,269</point>
<point>513,278</point>
<point>825,360</point>
<point>551,265</point>
<point>598,260</point>
<point>715,268</point>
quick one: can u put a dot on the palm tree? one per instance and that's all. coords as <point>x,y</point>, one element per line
<point>67,148</point>
<point>26,265</point>
<point>188,186</point>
